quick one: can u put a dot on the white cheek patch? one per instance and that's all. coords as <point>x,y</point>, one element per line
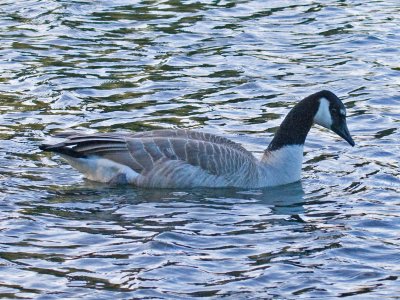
<point>323,116</point>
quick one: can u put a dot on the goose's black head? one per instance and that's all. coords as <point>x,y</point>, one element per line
<point>331,114</point>
<point>323,108</point>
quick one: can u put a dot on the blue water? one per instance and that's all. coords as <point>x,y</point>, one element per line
<point>233,68</point>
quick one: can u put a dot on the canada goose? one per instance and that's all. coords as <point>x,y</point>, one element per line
<point>183,158</point>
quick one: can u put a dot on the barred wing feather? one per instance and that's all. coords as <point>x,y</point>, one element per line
<point>165,153</point>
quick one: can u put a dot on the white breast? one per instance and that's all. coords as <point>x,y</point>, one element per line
<point>281,166</point>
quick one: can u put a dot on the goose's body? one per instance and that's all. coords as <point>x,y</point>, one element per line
<point>184,158</point>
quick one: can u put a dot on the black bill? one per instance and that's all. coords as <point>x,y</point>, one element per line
<point>343,132</point>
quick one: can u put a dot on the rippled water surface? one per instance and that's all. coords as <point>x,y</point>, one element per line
<point>233,68</point>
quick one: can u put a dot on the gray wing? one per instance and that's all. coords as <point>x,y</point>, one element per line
<point>193,135</point>
<point>143,151</point>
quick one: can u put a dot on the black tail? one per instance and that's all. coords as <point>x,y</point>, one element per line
<point>82,145</point>
<point>61,148</point>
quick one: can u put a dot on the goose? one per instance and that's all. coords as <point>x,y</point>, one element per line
<point>178,158</point>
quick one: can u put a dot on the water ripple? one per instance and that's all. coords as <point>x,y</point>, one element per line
<point>230,68</point>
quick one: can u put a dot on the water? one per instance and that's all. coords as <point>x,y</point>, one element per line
<point>233,68</point>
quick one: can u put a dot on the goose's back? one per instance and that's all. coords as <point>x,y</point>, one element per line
<point>173,158</point>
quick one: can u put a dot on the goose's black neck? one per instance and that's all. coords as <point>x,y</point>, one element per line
<point>297,124</point>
